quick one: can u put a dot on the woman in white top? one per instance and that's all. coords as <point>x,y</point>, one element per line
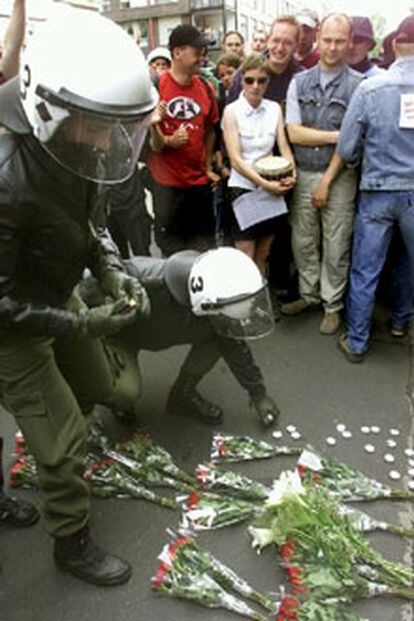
<point>252,126</point>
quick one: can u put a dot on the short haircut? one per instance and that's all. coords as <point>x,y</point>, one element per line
<point>287,19</point>
<point>232,32</point>
<point>229,60</point>
<point>255,61</point>
<point>338,16</point>
<point>260,31</point>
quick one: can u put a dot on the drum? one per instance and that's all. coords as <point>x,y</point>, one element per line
<point>273,167</point>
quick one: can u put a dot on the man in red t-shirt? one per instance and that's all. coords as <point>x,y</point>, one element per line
<point>182,147</point>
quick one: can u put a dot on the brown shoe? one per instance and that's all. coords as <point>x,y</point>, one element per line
<point>296,307</point>
<point>350,354</point>
<point>330,323</point>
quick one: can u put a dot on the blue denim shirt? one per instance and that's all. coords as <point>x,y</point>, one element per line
<point>371,130</point>
<point>322,108</point>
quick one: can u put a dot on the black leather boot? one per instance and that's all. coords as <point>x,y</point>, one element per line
<point>185,400</point>
<point>17,512</point>
<point>80,556</point>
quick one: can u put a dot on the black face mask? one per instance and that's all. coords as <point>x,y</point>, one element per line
<point>81,159</point>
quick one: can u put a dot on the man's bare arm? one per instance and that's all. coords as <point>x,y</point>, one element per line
<point>309,137</point>
<point>320,195</point>
<point>13,40</point>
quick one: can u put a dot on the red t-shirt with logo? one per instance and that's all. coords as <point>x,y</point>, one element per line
<point>193,107</point>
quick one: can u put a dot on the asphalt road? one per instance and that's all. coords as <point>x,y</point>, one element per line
<point>316,388</point>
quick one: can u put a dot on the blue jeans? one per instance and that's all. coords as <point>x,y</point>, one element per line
<point>377,214</point>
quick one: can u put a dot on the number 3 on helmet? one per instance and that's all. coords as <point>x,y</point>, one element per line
<point>226,285</point>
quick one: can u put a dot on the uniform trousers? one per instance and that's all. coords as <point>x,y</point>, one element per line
<point>47,384</point>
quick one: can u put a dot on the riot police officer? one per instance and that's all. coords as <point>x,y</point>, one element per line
<point>216,301</point>
<point>77,119</point>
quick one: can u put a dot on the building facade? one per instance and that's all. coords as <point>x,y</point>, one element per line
<point>151,21</point>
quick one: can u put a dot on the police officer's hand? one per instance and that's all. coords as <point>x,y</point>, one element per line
<point>266,409</point>
<point>104,320</point>
<point>120,286</point>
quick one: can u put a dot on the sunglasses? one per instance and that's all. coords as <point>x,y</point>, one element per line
<point>261,81</point>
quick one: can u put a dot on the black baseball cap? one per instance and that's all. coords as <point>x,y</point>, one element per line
<point>186,35</point>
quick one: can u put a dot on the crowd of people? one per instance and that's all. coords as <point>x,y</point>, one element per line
<point>80,294</point>
<point>289,96</point>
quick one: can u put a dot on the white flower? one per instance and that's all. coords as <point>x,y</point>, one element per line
<point>262,537</point>
<point>288,484</point>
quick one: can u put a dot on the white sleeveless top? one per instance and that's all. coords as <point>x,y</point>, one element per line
<point>257,131</point>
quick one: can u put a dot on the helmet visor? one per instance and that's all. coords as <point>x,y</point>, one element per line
<point>247,319</point>
<point>101,149</point>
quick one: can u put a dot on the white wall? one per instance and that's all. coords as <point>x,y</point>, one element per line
<point>165,25</point>
<point>37,11</point>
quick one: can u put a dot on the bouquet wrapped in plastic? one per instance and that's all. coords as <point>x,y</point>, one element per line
<point>144,450</point>
<point>343,481</point>
<point>112,475</point>
<point>108,478</point>
<point>186,549</point>
<point>212,478</point>
<point>206,511</point>
<point>292,608</point>
<point>23,473</point>
<point>186,570</point>
<point>145,474</point>
<point>323,553</point>
<point>227,447</point>
<point>365,523</point>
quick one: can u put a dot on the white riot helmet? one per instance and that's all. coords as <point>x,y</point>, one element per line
<point>226,285</point>
<point>87,94</point>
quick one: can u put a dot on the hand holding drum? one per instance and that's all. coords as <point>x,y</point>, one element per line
<point>278,171</point>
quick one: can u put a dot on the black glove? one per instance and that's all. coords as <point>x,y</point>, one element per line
<point>121,286</point>
<point>104,320</point>
<point>266,409</point>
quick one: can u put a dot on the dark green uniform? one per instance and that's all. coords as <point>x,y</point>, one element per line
<point>172,322</point>
<point>49,234</point>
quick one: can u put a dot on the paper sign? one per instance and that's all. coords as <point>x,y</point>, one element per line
<point>256,206</point>
<point>407,111</point>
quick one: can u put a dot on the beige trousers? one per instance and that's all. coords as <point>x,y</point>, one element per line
<point>321,238</point>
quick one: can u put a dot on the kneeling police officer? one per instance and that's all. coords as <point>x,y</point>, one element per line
<point>216,301</point>
<point>77,118</point>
